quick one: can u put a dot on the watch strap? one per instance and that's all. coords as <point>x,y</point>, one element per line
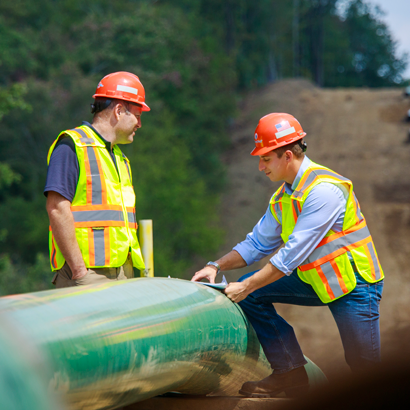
<point>216,266</point>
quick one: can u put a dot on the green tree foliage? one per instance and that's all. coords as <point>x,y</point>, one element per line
<point>175,156</point>
<point>314,39</point>
<point>372,50</point>
<point>194,58</point>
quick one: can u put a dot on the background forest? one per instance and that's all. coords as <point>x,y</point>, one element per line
<point>196,59</point>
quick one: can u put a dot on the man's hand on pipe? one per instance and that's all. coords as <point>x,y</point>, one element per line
<point>209,272</point>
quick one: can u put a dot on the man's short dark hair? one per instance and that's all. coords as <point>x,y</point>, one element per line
<point>298,148</point>
<point>101,103</point>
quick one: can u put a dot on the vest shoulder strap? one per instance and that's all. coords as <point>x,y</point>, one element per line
<point>83,137</point>
<point>276,197</point>
<point>315,174</point>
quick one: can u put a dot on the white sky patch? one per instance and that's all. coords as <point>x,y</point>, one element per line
<point>397,19</point>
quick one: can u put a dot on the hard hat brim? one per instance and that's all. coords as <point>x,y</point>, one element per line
<point>265,150</point>
<point>145,107</point>
<point>262,151</point>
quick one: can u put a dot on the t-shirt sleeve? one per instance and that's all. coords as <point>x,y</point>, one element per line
<point>63,169</point>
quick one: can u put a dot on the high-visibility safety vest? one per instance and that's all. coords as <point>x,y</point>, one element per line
<point>328,269</point>
<point>103,206</point>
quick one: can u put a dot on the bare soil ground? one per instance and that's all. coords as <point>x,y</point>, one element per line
<point>361,134</point>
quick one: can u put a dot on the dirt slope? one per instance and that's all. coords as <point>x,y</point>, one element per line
<point>359,133</point>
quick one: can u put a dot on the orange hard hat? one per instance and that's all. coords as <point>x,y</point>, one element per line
<point>122,86</point>
<point>276,130</point>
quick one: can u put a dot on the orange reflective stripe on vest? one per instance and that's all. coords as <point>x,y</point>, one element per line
<point>53,253</point>
<point>96,190</point>
<point>332,278</point>
<point>374,261</point>
<point>99,246</point>
<point>296,209</point>
<point>132,218</point>
<point>102,215</point>
<point>330,268</point>
<point>310,177</point>
<point>103,207</point>
<point>359,216</point>
<point>277,207</point>
<point>337,244</point>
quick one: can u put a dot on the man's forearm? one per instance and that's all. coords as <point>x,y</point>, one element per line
<point>268,274</point>
<point>232,260</point>
<point>62,225</point>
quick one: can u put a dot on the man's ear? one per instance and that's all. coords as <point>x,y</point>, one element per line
<point>288,155</point>
<point>117,110</point>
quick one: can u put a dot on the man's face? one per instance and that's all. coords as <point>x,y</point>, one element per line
<point>128,123</point>
<point>272,166</point>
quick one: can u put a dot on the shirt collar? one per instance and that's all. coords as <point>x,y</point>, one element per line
<point>303,167</point>
<point>107,143</point>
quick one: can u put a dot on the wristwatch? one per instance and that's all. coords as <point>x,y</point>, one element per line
<point>218,268</point>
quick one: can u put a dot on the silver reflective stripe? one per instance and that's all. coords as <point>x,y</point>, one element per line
<point>344,240</point>
<point>312,176</point>
<point>99,247</point>
<point>358,213</point>
<point>278,212</point>
<point>104,215</point>
<point>126,165</point>
<point>331,277</point>
<point>278,197</point>
<point>297,194</point>
<point>96,189</point>
<point>377,272</point>
<point>84,137</point>
<point>131,217</point>
<point>295,207</point>
<point>279,194</point>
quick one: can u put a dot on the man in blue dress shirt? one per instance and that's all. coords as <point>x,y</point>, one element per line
<point>326,258</point>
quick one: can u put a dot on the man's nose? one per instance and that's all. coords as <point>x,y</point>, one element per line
<point>261,165</point>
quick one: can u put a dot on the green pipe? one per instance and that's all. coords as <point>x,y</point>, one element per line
<point>24,374</point>
<point>118,343</point>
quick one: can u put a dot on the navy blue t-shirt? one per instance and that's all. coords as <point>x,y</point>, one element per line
<point>63,170</point>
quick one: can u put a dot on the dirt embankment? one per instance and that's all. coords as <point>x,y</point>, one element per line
<point>361,134</point>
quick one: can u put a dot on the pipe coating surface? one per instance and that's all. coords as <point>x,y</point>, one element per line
<point>118,343</point>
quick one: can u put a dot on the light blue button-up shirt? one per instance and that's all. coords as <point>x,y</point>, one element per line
<point>324,209</point>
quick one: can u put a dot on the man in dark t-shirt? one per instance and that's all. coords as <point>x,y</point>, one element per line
<point>63,169</point>
<point>118,105</point>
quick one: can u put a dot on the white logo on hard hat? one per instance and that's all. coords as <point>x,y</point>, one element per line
<point>100,85</point>
<point>127,89</point>
<point>256,137</point>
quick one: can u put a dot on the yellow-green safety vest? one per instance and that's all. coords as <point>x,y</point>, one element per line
<point>328,269</point>
<point>103,206</point>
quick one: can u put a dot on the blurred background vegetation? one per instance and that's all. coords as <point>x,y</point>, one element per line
<point>196,60</point>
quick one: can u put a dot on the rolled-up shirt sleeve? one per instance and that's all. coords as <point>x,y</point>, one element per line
<point>323,210</point>
<point>262,241</point>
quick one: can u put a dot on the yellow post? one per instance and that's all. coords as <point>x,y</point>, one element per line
<point>147,246</point>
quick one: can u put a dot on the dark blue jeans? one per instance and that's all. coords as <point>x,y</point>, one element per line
<point>356,316</point>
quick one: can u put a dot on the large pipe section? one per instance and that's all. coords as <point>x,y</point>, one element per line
<point>118,343</point>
